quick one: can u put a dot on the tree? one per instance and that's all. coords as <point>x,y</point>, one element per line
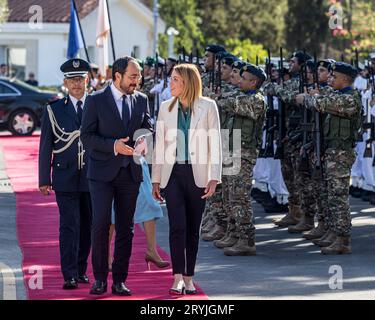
<point>247,50</point>
<point>182,15</point>
<point>258,20</point>
<point>357,29</point>
<point>306,24</point>
<point>3,11</point>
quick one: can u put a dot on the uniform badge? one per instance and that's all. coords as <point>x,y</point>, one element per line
<point>76,64</point>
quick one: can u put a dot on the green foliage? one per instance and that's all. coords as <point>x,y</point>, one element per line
<point>3,10</point>
<point>249,27</point>
<point>181,14</point>
<point>246,50</point>
<point>358,28</point>
<point>306,24</point>
<point>258,20</point>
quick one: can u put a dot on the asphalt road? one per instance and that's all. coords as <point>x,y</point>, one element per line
<point>285,267</point>
<point>11,277</point>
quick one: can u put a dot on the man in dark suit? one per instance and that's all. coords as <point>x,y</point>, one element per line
<point>62,150</point>
<point>109,127</point>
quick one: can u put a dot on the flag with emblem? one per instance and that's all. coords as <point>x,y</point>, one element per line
<point>102,34</point>
<point>75,37</point>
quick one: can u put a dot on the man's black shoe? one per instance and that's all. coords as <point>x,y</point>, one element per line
<point>83,279</point>
<point>119,289</point>
<point>99,287</point>
<point>70,284</point>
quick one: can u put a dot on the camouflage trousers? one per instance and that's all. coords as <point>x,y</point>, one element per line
<point>322,202</point>
<point>215,207</point>
<point>338,164</point>
<point>289,169</point>
<point>310,189</point>
<point>237,198</point>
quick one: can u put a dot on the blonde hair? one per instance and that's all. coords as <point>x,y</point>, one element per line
<point>193,84</point>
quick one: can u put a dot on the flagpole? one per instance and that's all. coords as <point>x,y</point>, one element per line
<point>156,15</point>
<point>80,28</point>
<point>110,32</point>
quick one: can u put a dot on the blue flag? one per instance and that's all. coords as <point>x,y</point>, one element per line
<point>75,36</point>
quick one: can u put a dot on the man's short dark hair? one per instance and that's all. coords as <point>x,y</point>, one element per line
<point>121,64</point>
<point>3,65</point>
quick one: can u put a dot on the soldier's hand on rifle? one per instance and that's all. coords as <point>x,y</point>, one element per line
<point>45,190</point>
<point>372,102</point>
<point>122,148</point>
<point>300,98</point>
<point>313,91</point>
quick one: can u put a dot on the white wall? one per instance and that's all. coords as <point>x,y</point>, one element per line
<point>130,28</point>
<point>47,47</point>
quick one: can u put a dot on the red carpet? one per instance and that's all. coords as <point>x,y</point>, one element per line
<point>38,226</point>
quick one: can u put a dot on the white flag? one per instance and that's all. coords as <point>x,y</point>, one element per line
<point>102,34</point>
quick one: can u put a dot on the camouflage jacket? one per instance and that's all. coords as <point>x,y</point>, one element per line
<point>147,86</point>
<point>250,106</point>
<point>206,80</point>
<point>343,118</point>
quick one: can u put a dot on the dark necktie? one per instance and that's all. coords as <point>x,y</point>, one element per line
<point>79,111</point>
<point>125,111</point>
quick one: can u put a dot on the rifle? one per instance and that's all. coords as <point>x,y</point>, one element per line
<point>191,57</point>
<point>218,77</point>
<point>317,172</point>
<point>156,81</point>
<point>212,72</point>
<point>305,126</point>
<point>279,153</point>
<point>197,58</point>
<point>270,116</point>
<point>184,54</point>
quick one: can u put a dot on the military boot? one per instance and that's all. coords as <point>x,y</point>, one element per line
<point>291,218</point>
<point>342,245</point>
<point>210,224</point>
<point>317,232</point>
<point>215,234</point>
<point>305,224</point>
<point>228,240</point>
<point>241,248</point>
<point>326,240</point>
<point>206,218</point>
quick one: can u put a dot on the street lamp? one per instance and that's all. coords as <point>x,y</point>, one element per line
<point>171,32</point>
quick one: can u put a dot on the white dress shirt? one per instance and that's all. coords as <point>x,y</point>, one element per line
<point>117,95</point>
<point>74,101</point>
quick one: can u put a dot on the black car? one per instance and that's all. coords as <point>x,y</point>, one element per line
<point>21,106</point>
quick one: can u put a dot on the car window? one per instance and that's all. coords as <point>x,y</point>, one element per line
<point>6,90</point>
<point>25,85</point>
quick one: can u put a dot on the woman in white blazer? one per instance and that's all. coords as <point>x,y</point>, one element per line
<point>187,163</point>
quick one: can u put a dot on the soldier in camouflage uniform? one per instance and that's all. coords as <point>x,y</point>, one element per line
<point>208,222</point>
<point>320,191</point>
<point>248,112</point>
<point>209,61</point>
<point>226,103</point>
<point>216,204</point>
<point>341,127</point>
<point>287,92</point>
<point>148,76</point>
